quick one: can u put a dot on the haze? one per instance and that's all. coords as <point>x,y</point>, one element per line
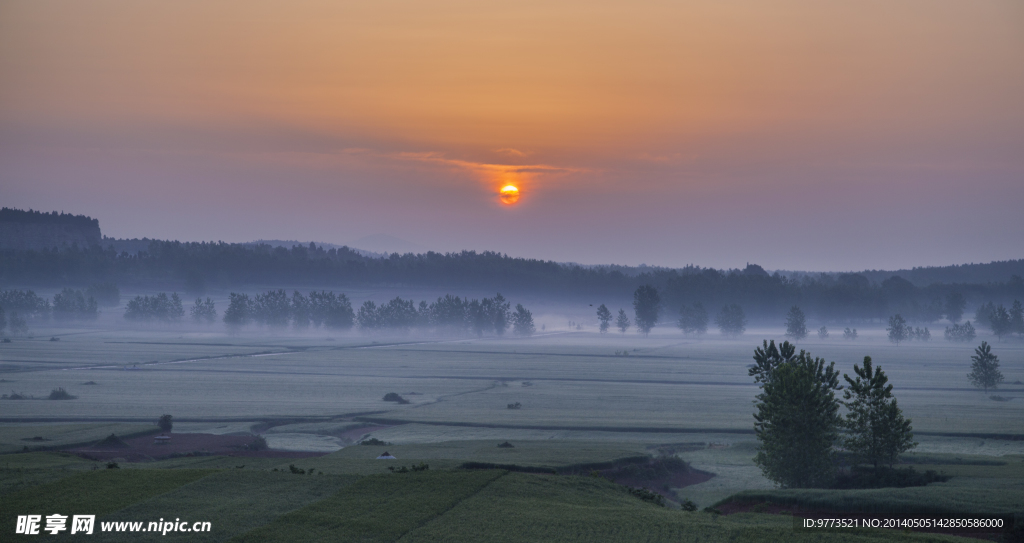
<point>798,135</point>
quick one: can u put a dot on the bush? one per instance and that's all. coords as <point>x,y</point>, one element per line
<point>16,396</point>
<point>60,394</point>
<point>113,465</point>
<point>394,397</point>
<point>516,405</point>
<point>648,496</point>
<point>865,477</point>
<point>506,445</point>
<point>258,443</point>
<point>688,505</point>
<point>373,441</point>
<point>112,441</point>
<point>166,422</point>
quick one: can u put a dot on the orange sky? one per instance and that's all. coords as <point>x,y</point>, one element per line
<point>342,119</point>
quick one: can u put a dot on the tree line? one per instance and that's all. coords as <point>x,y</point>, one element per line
<point>17,307</point>
<point>197,267</point>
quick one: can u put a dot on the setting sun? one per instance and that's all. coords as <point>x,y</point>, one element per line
<point>509,194</point>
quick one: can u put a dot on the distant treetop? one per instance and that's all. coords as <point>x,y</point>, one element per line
<point>8,214</point>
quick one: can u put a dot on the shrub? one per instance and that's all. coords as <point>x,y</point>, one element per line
<point>112,441</point>
<point>113,465</point>
<point>60,394</point>
<point>166,422</point>
<point>516,405</point>
<point>373,441</point>
<point>688,505</point>
<point>506,445</point>
<point>648,496</point>
<point>258,443</point>
<point>394,397</point>
<point>296,470</point>
<point>16,396</point>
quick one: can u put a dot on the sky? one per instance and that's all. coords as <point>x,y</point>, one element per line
<point>800,135</point>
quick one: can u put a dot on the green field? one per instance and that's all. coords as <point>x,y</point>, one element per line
<point>581,403</point>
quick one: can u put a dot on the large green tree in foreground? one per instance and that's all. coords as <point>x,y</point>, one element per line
<point>877,430</point>
<point>797,420</point>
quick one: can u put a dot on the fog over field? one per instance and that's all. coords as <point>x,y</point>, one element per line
<point>519,272</point>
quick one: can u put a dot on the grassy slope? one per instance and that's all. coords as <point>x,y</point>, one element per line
<point>94,492</point>
<point>376,508</point>
<point>234,501</point>
<point>495,506</point>
<point>18,437</point>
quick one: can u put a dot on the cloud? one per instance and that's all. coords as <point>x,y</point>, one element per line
<point>508,151</point>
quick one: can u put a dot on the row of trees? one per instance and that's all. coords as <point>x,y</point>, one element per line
<point>1001,321</point>
<point>68,304</point>
<point>693,319</point>
<point>158,308</point>
<point>197,266</point>
<point>449,314</point>
<point>798,422</point>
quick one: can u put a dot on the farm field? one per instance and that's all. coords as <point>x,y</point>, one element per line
<point>567,381</point>
<point>583,399</point>
<point>435,505</point>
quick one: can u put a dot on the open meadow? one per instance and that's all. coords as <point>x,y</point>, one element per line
<point>567,401</point>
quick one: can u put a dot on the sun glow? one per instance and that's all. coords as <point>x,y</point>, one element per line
<point>509,194</point>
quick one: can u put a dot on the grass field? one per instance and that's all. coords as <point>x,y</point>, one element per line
<point>431,506</point>
<point>581,403</point>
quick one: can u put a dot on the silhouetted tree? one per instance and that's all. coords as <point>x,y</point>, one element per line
<point>1017,318</point>
<point>797,420</point>
<point>731,320</point>
<point>17,325</point>
<point>398,314</point>
<point>796,324</point>
<point>955,305</point>
<point>1000,322</point>
<point>337,311</point>
<point>898,330</point>
<point>71,304</point>
<point>961,332</point>
<point>877,430</point>
<point>985,372</point>
<point>604,316</point>
<point>522,321</point>
<point>850,334</point>
<point>823,332</point>
<point>165,423</point>
<point>203,311</point>
<point>3,320</point>
<point>300,310</point>
<point>272,308</point>
<point>239,311</point>
<point>500,314</point>
<point>368,316</point>
<point>983,315</point>
<point>693,319</point>
<point>159,308</point>
<point>622,321</point>
<point>646,303</point>
<point>448,314</point>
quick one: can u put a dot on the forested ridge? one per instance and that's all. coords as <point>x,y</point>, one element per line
<point>195,267</point>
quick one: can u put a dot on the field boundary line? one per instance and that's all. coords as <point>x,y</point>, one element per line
<point>452,506</point>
